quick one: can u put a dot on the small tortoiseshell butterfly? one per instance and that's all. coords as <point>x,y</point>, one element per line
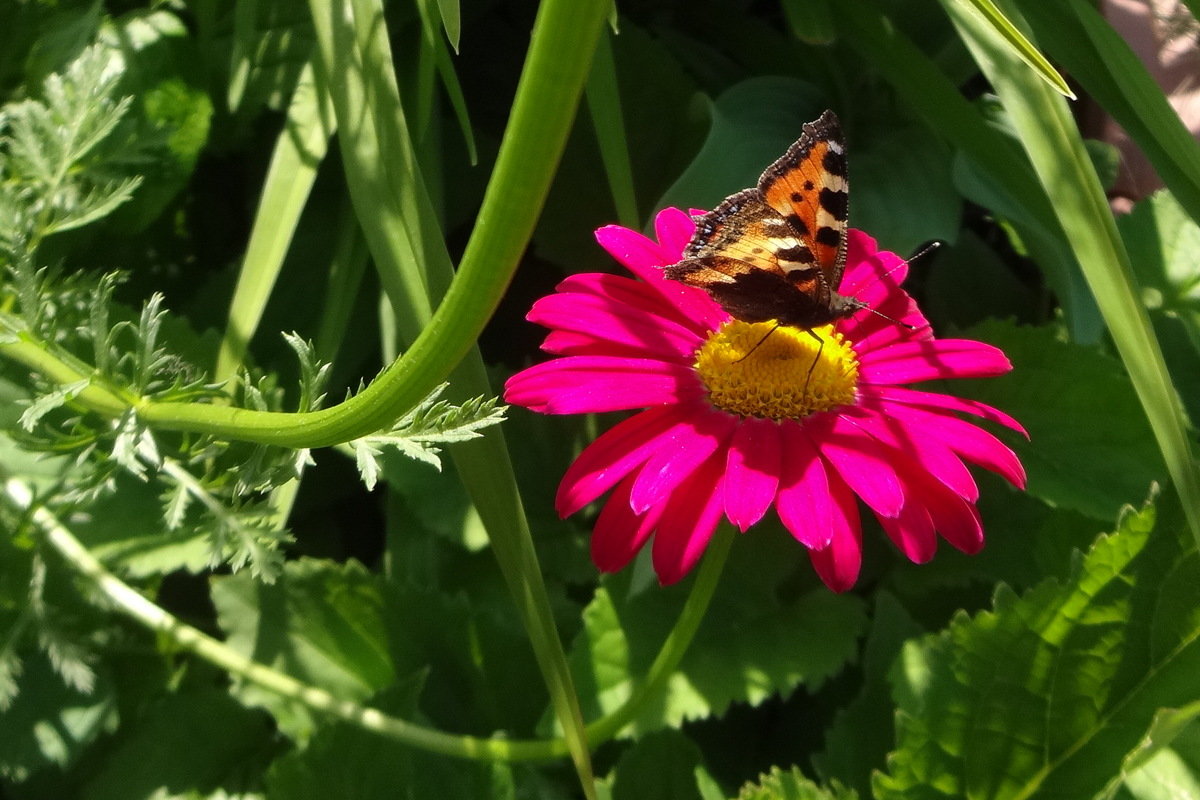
<point>777,251</point>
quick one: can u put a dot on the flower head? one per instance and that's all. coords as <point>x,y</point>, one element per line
<point>736,418</point>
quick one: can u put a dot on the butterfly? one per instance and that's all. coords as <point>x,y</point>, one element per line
<point>777,251</point>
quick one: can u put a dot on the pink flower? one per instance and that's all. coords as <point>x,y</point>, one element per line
<point>732,424</point>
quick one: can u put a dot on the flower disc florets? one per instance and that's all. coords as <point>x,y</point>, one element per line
<point>773,372</point>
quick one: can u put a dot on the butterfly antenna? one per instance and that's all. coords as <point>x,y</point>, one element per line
<point>924,251</point>
<point>758,343</point>
<point>902,323</point>
<point>816,358</point>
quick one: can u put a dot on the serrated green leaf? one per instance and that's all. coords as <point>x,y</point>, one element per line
<point>343,760</point>
<point>320,623</point>
<point>660,766</point>
<point>750,647</point>
<point>1164,249</point>
<point>1090,446</point>
<point>366,458</point>
<point>202,740</point>
<point>792,785</point>
<point>50,723</point>
<point>1048,693</point>
<point>473,652</point>
<point>44,404</point>
<point>125,530</point>
<point>863,732</point>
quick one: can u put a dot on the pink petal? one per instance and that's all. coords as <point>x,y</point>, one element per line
<point>871,275</point>
<point>615,453</point>
<point>677,456</point>
<point>645,259</point>
<point>909,362</point>
<point>969,441</point>
<point>956,520</point>
<point>622,325</point>
<point>583,384</point>
<point>870,331</point>
<point>861,461</point>
<point>629,292</point>
<point>688,522</point>
<point>803,503</point>
<point>952,516</point>
<point>752,471</point>
<point>637,253</point>
<point>839,563</point>
<point>932,401</point>
<point>674,230</point>
<point>619,533</point>
<point>912,532</point>
<point>865,262</point>
<point>930,453</point>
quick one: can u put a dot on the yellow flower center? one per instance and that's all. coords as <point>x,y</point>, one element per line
<point>788,375</point>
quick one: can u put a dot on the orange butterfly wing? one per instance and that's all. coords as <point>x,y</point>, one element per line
<point>778,251</point>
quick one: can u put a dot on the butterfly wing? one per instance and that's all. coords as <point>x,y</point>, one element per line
<point>778,251</point>
<point>747,257</point>
<point>808,188</point>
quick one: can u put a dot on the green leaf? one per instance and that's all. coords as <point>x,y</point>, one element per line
<point>792,785</point>
<point>170,120</point>
<point>203,740</point>
<point>272,41</point>
<point>885,163</point>
<point>49,723</point>
<point>1090,447</point>
<point>968,282</point>
<point>608,122</point>
<point>863,732</point>
<point>1164,248</point>
<point>451,21</point>
<point>474,653</point>
<point>344,761</point>
<point>1097,55</point>
<point>44,404</point>
<point>1022,47</point>
<point>753,123</point>
<point>320,623</point>
<point>1166,757</point>
<point>660,766</point>
<point>750,646</point>
<point>66,31</point>
<point>124,529</point>
<point>811,21</point>
<point>1047,694</point>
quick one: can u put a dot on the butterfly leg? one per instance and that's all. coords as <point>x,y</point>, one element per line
<point>816,358</point>
<point>758,343</point>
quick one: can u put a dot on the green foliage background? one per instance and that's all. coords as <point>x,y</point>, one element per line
<point>217,580</point>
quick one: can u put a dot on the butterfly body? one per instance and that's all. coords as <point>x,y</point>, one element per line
<point>777,251</point>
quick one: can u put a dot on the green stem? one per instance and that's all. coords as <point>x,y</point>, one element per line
<point>543,109</point>
<point>133,604</point>
<point>667,660</point>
